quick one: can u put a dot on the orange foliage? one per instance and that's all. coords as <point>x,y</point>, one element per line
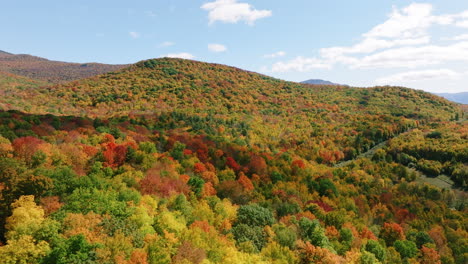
<point>245,182</point>
<point>331,232</point>
<point>312,254</point>
<point>429,256</point>
<point>51,204</point>
<point>367,234</point>
<point>392,232</point>
<point>203,225</point>
<point>199,168</point>
<point>208,189</point>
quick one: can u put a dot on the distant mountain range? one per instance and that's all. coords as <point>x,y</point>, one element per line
<point>319,81</point>
<point>51,71</point>
<point>461,98</point>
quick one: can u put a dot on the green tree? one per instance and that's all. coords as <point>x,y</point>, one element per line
<point>407,249</point>
<point>375,248</point>
<point>312,231</point>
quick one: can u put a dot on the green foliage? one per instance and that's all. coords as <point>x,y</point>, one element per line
<point>375,248</point>
<point>368,258</point>
<point>327,188</point>
<point>72,250</point>
<point>147,147</point>
<point>97,201</point>
<point>254,215</point>
<point>312,231</point>
<point>407,249</point>
<point>253,234</point>
<point>285,236</point>
<point>196,184</point>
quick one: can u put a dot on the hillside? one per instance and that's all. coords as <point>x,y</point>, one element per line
<point>50,71</point>
<point>179,161</point>
<point>271,112</point>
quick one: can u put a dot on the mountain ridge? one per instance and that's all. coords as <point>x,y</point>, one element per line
<point>51,71</point>
<point>461,98</point>
<point>319,81</point>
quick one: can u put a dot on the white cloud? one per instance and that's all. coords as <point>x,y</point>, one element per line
<point>463,24</point>
<point>182,55</point>
<point>275,55</point>
<point>166,44</point>
<point>409,22</point>
<point>230,11</point>
<point>403,40</point>
<point>134,34</point>
<point>216,47</point>
<point>411,57</point>
<point>415,76</point>
<point>300,64</point>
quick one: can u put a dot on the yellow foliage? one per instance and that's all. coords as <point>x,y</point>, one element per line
<point>26,218</point>
<point>277,254</point>
<point>88,225</point>
<point>23,250</point>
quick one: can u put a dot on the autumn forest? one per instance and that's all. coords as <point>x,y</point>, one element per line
<point>180,161</point>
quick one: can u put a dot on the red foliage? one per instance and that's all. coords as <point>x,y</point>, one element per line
<point>114,155</point>
<point>386,197</point>
<point>327,208</point>
<point>231,163</point>
<point>429,256</point>
<point>155,184</point>
<point>298,164</point>
<point>392,232</point>
<point>258,165</point>
<point>403,215</point>
<point>25,147</point>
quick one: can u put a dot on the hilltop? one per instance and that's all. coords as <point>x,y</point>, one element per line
<point>50,71</point>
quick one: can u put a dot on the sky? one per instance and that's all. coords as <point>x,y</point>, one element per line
<point>416,44</point>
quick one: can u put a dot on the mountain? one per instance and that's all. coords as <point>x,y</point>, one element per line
<point>461,98</point>
<point>167,84</point>
<point>266,111</point>
<point>3,53</point>
<point>180,161</point>
<point>50,71</point>
<point>318,81</point>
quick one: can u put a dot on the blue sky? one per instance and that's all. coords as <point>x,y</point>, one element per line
<point>422,45</point>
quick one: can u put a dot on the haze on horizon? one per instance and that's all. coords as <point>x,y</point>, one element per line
<point>422,45</point>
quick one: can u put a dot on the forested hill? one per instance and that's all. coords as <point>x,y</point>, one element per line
<point>166,84</point>
<point>50,71</point>
<point>179,161</point>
